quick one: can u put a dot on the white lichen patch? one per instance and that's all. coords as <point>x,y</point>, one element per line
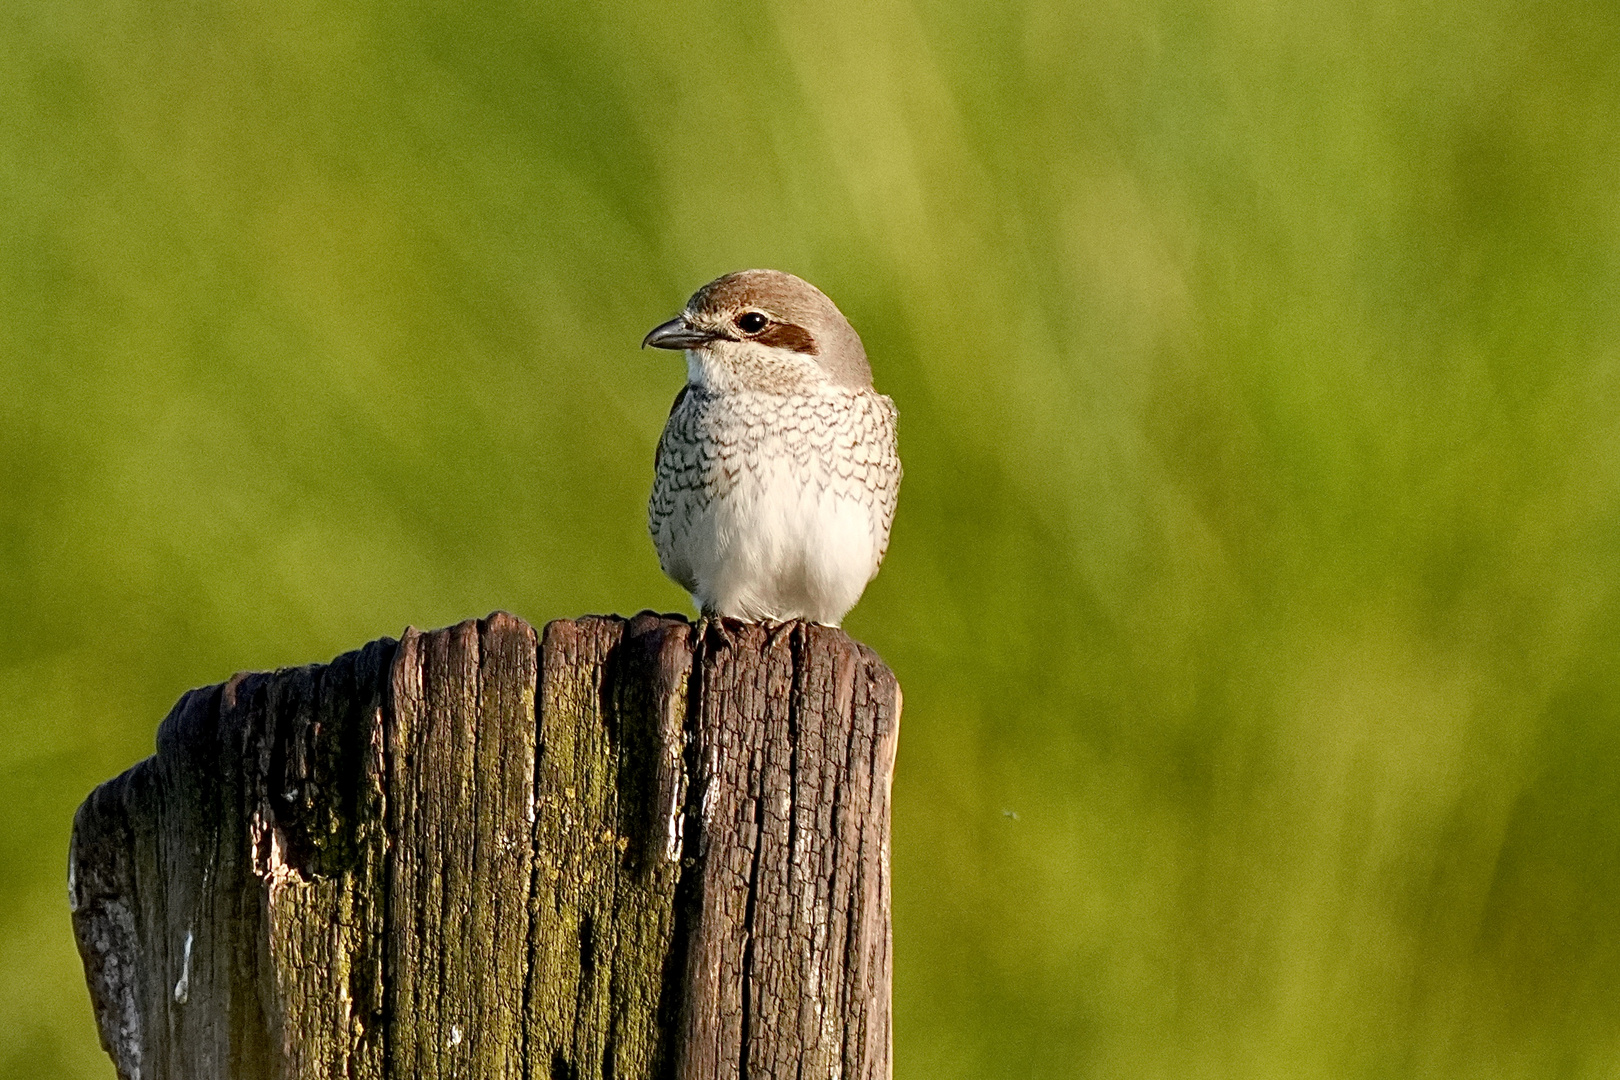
<point>111,935</point>
<point>73,874</point>
<point>674,824</point>
<point>182,985</point>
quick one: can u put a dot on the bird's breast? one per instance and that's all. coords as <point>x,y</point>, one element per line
<point>785,498</point>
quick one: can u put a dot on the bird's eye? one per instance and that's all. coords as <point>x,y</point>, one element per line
<point>751,322</point>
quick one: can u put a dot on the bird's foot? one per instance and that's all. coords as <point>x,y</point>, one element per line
<point>775,630</point>
<point>713,628</point>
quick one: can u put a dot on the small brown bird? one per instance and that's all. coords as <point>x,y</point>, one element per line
<point>778,471</point>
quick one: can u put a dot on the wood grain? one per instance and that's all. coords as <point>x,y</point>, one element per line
<point>619,848</point>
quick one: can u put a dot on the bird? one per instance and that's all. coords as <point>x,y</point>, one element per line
<point>777,474</point>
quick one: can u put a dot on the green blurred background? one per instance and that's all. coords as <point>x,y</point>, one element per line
<point>1254,587</point>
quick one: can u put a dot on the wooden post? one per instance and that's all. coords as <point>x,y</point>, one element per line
<point>622,851</point>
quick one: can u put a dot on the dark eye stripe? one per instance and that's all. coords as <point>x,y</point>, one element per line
<point>782,335</point>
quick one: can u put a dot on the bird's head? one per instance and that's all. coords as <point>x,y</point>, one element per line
<point>764,330</point>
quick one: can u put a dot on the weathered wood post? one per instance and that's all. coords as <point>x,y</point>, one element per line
<point>632,848</point>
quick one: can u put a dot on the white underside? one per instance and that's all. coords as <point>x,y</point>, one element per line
<point>777,548</point>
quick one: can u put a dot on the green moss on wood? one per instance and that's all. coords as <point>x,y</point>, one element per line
<point>619,848</point>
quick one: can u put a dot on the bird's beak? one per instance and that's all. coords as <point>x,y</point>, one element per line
<point>676,334</point>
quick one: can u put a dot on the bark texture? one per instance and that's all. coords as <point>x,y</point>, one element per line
<point>625,849</point>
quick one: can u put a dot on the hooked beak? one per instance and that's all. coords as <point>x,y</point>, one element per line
<point>676,334</point>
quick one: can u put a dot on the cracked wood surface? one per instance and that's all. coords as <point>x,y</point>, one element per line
<point>618,849</point>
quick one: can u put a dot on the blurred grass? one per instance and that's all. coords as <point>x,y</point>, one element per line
<point>1255,581</point>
